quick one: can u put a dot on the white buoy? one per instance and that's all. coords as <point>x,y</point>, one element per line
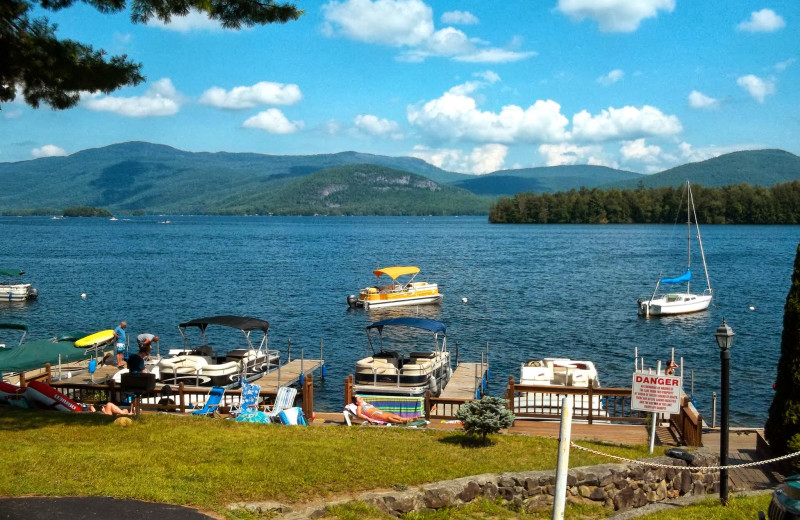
<point>83,295</point>
<point>752,308</point>
<point>464,299</point>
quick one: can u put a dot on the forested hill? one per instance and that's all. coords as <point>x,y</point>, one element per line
<point>738,204</point>
<point>359,189</point>
<point>545,179</point>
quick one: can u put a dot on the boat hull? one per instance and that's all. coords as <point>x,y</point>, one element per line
<point>18,292</point>
<point>417,293</point>
<point>673,304</point>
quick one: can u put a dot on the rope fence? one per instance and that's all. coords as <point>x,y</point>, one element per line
<point>702,468</point>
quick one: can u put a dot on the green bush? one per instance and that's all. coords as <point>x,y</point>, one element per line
<point>485,416</point>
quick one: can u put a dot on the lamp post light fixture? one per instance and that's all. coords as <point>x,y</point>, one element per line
<point>724,336</point>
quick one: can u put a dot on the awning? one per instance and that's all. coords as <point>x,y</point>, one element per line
<point>685,277</point>
<point>236,322</point>
<point>13,326</point>
<point>419,323</point>
<point>394,272</point>
<point>37,353</point>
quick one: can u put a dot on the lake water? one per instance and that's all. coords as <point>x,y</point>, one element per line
<point>532,291</point>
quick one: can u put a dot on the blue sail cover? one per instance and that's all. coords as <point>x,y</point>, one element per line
<point>685,277</point>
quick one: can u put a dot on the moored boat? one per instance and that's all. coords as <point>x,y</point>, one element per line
<point>201,365</point>
<point>410,372</point>
<point>558,372</point>
<point>396,293</point>
<point>15,292</point>
<point>680,302</point>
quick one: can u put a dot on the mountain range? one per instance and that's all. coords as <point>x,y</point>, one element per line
<point>144,177</point>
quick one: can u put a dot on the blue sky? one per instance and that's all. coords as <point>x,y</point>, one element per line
<point>470,86</point>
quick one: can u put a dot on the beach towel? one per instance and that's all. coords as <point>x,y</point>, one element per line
<point>403,406</point>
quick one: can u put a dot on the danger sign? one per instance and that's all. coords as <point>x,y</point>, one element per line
<point>656,393</point>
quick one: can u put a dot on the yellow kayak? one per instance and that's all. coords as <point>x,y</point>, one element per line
<point>96,338</point>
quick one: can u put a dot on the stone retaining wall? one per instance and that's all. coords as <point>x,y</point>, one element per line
<point>613,486</point>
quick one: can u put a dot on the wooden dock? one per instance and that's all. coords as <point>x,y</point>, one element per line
<point>467,381</point>
<point>288,373</point>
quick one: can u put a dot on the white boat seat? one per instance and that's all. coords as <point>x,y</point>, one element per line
<point>580,378</point>
<point>182,364</point>
<point>536,375</point>
<point>231,367</point>
<point>415,369</point>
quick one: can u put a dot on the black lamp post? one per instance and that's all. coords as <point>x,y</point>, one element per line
<point>724,337</point>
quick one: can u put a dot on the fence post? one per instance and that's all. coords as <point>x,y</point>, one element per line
<point>427,404</point>
<point>308,398</point>
<point>348,389</point>
<point>181,397</point>
<point>591,400</point>
<point>510,394</point>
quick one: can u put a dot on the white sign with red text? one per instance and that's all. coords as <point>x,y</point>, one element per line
<point>656,393</point>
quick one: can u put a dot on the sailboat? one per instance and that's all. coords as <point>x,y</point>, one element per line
<point>680,302</point>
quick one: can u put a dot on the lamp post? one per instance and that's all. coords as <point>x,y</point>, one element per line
<point>724,336</point>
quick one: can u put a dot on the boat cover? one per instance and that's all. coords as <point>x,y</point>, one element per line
<point>394,272</point>
<point>11,272</point>
<point>13,326</point>
<point>37,353</point>
<point>419,323</point>
<point>236,322</point>
<point>685,277</point>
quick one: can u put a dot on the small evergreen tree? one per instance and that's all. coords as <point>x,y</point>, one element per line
<point>783,424</point>
<point>485,416</point>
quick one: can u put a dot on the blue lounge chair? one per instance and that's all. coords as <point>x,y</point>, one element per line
<point>212,402</point>
<point>249,402</point>
<point>283,399</point>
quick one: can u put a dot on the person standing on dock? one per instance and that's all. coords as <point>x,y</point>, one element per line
<point>145,342</point>
<point>120,343</point>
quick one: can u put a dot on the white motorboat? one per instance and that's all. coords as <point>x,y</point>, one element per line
<point>408,373</point>
<point>396,293</point>
<point>680,302</point>
<point>201,366</point>
<point>15,292</point>
<point>558,373</point>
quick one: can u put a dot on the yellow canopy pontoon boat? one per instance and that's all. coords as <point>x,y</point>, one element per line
<point>396,293</point>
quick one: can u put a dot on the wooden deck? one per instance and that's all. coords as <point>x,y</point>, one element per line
<point>289,373</point>
<point>466,381</point>
<point>742,450</point>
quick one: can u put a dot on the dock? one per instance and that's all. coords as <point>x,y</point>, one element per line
<point>467,382</point>
<point>289,374</point>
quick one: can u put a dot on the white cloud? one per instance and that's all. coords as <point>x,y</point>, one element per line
<point>408,24</point>
<point>758,88</point>
<point>624,123</point>
<point>373,125</point>
<point>615,15</point>
<point>612,77</point>
<point>488,76</point>
<point>482,159</point>
<point>459,18</point>
<point>262,93</point>
<point>699,100</point>
<point>455,116</point>
<point>161,99</point>
<point>785,64</point>
<point>765,20</point>
<point>273,121</point>
<point>48,150</point>
<point>567,154</point>
<point>194,21</point>
<point>639,151</point>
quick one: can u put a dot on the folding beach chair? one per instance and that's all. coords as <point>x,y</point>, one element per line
<point>212,402</point>
<point>249,401</point>
<point>283,400</point>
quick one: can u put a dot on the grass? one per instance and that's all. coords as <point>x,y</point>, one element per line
<point>209,463</point>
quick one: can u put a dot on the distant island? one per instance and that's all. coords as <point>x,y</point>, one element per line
<point>85,211</point>
<point>137,178</point>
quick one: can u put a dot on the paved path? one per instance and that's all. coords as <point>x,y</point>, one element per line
<point>86,508</point>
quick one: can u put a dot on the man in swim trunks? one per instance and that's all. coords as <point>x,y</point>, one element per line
<point>145,342</point>
<point>120,343</point>
<point>370,413</point>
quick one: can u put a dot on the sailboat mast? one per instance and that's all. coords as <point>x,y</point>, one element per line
<point>700,242</point>
<point>688,233</point>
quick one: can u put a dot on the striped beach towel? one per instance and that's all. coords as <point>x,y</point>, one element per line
<point>401,405</point>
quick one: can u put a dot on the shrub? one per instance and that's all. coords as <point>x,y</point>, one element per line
<point>485,416</point>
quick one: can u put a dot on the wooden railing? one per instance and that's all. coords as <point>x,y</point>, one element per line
<point>592,404</point>
<point>688,423</point>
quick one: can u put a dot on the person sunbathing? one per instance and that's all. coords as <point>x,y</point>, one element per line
<point>108,409</point>
<point>372,414</point>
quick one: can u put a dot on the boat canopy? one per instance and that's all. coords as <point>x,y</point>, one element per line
<point>685,277</point>
<point>11,272</point>
<point>13,326</point>
<point>37,353</point>
<point>237,322</point>
<point>394,272</point>
<point>419,323</point>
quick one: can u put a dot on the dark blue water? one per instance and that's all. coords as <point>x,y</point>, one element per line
<point>532,291</point>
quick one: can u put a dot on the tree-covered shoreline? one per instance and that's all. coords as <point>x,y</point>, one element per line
<point>736,204</point>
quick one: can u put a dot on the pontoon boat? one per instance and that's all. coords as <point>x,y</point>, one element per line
<point>411,373</point>
<point>558,372</point>
<point>396,293</point>
<point>15,292</point>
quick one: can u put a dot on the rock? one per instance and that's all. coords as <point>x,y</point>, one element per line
<point>470,492</point>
